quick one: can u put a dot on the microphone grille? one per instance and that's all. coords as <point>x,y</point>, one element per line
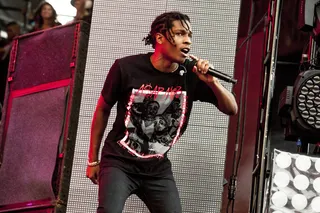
<point>189,64</point>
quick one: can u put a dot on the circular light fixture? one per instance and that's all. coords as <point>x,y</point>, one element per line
<point>283,160</point>
<point>303,163</point>
<point>315,204</point>
<point>299,202</point>
<point>301,182</point>
<point>279,199</point>
<point>306,102</point>
<point>316,184</point>
<point>317,165</point>
<point>281,179</point>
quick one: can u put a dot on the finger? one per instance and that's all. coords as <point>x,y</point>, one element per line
<point>198,65</point>
<point>202,66</point>
<point>94,180</point>
<point>195,70</point>
<point>193,57</point>
<point>206,68</point>
<point>97,177</point>
<point>93,177</point>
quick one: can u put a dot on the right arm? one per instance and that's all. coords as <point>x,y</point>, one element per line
<point>109,96</point>
<point>98,126</point>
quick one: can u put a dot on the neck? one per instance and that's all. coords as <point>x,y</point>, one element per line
<point>162,64</point>
<point>80,13</point>
<point>47,23</point>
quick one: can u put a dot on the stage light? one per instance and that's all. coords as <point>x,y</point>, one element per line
<point>281,179</point>
<point>294,188</point>
<point>316,184</point>
<point>303,163</point>
<point>301,182</point>
<point>306,103</point>
<point>318,165</point>
<point>283,160</point>
<point>299,202</point>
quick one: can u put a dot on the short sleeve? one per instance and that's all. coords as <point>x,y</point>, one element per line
<point>204,93</point>
<point>112,85</point>
<point>201,91</point>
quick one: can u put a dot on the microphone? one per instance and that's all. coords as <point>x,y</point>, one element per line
<point>211,71</point>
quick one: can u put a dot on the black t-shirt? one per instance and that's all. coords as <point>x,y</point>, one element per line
<point>153,110</point>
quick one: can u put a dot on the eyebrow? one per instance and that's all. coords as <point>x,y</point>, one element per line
<point>183,31</point>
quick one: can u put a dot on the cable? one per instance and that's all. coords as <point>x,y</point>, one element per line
<point>252,31</point>
<point>244,117</point>
<point>228,206</point>
<point>308,64</point>
<point>242,112</point>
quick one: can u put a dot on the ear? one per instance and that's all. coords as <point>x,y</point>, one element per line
<point>159,38</point>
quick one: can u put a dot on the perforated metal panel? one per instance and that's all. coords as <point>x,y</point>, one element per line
<point>117,30</point>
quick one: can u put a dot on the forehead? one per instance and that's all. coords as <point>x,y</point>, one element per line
<point>47,6</point>
<point>181,25</point>
<point>12,27</point>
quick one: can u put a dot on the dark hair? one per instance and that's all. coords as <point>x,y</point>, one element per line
<point>38,18</point>
<point>12,23</point>
<point>163,23</point>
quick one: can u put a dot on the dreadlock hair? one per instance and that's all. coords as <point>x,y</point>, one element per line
<point>163,24</point>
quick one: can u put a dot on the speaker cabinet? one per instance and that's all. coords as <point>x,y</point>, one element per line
<point>40,118</point>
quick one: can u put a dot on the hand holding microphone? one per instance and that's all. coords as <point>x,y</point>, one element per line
<point>204,67</point>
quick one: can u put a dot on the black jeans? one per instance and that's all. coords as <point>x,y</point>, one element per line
<point>159,194</point>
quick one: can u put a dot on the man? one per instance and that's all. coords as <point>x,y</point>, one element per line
<point>84,10</point>
<point>145,88</point>
<point>13,30</point>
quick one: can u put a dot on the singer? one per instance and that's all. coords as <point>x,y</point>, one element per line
<point>154,93</point>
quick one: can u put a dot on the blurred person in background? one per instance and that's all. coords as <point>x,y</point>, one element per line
<point>13,29</point>
<point>45,17</point>
<point>84,10</point>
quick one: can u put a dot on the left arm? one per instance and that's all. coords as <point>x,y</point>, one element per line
<point>226,101</point>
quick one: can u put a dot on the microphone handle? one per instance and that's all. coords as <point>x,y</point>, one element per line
<point>213,72</point>
<point>222,76</point>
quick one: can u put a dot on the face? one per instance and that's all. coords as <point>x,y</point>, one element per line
<point>177,113</point>
<point>176,50</point>
<point>46,11</point>
<point>175,104</point>
<point>160,124</point>
<point>12,31</point>
<point>152,109</point>
<point>79,4</point>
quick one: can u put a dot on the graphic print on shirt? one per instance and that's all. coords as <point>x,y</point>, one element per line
<point>153,121</point>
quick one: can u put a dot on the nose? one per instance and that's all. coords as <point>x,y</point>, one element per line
<point>187,40</point>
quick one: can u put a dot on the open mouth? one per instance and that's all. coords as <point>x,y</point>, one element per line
<point>185,50</point>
